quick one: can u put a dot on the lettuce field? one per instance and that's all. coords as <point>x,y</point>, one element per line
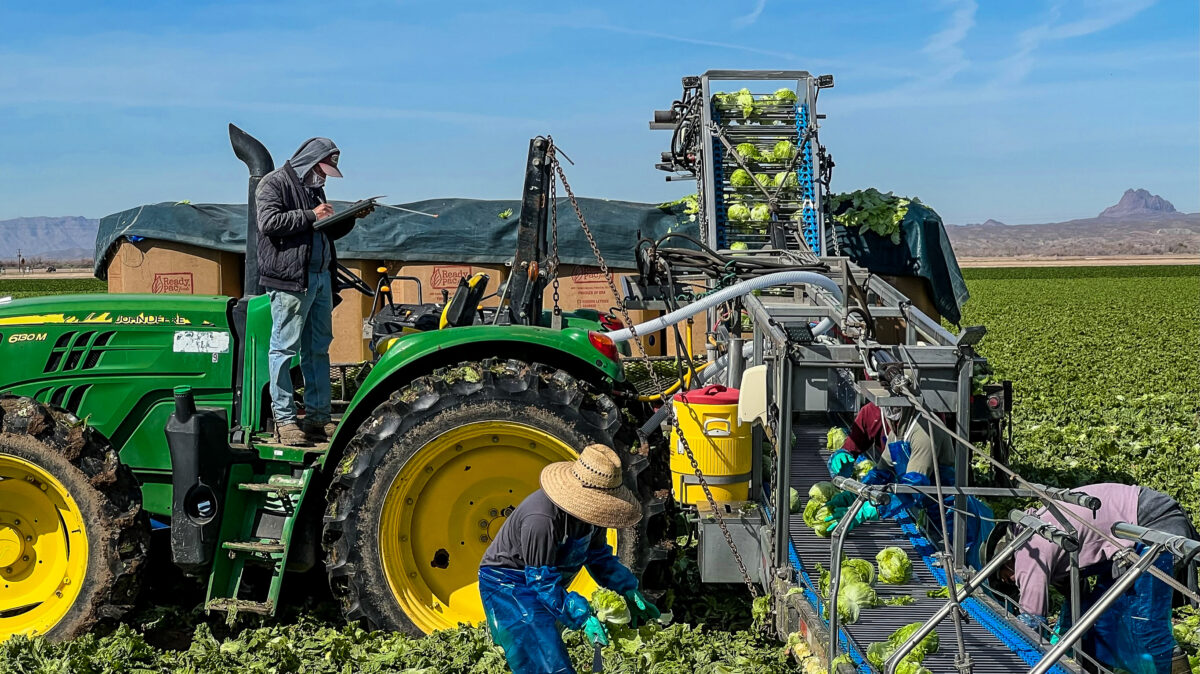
<point>1106,369</point>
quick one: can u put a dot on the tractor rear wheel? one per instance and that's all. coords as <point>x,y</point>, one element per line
<point>72,531</point>
<point>431,476</point>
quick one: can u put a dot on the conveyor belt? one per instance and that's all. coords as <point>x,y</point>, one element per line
<point>994,647</point>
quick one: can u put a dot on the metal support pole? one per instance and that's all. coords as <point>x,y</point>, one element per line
<point>737,362</point>
<point>783,459</point>
<point>962,463</point>
<point>835,574</point>
<point>1076,589</point>
<point>965,591</point>
<point>1073,635</point>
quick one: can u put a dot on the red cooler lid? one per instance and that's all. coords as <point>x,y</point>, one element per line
<point>713,394</point>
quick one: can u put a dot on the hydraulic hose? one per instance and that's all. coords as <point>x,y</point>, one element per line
<point>726,294</point>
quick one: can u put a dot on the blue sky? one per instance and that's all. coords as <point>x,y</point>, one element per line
<point>1023,111</point>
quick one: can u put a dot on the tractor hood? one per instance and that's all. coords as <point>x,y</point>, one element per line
<point>116,310</point>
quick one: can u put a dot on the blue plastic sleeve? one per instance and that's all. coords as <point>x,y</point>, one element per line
<point>608,571</point>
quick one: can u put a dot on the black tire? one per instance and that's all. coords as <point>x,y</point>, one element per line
<point>109,501</point>
<point>493,390</point>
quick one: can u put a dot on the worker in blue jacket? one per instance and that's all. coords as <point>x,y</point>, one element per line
<point>556,531</point>
<point>910,457</point>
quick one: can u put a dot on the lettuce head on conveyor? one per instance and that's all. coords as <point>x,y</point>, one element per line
<point>815,511</point>
<point>895,568</point>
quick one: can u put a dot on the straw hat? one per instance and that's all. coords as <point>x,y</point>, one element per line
<point>590,488</point>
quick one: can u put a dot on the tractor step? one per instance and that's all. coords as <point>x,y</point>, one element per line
<point>258,547</point>
<point>241,606</point>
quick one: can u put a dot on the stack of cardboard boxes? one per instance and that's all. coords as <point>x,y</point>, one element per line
<point>153,266</point>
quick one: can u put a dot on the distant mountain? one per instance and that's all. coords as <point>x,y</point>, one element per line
<point>60,238</point>
<point>989,223</point>
<point>1138,203</point>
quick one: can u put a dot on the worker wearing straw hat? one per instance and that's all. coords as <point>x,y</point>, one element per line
<point>556,531</point>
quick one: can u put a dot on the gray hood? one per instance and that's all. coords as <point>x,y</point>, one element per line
<point>311,151</point>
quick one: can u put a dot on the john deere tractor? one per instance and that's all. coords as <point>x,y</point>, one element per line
<point>117,410</point>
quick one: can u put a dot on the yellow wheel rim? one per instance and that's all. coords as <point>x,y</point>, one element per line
<point>445,507</point>
<point>43,549</point>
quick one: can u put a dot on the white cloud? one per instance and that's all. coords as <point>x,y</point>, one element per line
<point>1087,17</point>
<point>749,19</point>
<point>945,46</point>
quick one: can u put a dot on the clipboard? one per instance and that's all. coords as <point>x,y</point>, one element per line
<point>346,215</point>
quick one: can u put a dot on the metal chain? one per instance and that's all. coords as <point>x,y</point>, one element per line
<point>612,286</point>
<point>553,229</point>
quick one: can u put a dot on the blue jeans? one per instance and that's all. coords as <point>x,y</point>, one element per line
<point>301,322</point>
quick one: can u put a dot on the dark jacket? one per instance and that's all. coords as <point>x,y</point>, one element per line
<point>285,219</point>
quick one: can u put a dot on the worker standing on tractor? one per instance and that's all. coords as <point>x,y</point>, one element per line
<point>556,531</point>
<point>295,266</point>
<point>1134,634</point>
<point>909,456</point>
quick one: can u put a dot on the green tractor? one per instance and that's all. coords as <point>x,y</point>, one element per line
<point>116,410</point>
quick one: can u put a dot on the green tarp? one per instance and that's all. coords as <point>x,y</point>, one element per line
<point>924,251</point>
<point>465,231</point>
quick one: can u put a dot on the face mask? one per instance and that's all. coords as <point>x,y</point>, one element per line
<point>314,179</point>
<point>893,413</point>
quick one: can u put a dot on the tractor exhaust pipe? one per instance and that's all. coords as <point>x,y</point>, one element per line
<point>254,154</point>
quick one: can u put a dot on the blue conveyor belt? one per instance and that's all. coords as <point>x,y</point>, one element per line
<point>994,644</point>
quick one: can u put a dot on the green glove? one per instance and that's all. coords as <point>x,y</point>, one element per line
<point>594,630</point>
<point>842,463</point>
<point>640,608</point>
<point>867,513</point>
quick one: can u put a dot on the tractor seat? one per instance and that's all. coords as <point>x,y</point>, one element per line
<point>461,309</point>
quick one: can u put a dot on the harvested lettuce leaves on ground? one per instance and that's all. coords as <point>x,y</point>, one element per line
<point>835,438</point>
<point>610,607</point>
<point>797,646</point>
<point>895,568</point>
<point>1187,628</point>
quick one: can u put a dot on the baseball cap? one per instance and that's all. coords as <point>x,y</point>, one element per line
<point>329,165</point>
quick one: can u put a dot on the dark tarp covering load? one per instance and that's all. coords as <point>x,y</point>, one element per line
<point>924,251</point>
<point>466,230</point>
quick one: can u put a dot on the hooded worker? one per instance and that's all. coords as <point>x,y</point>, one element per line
<point>295,266</point>
<point>909,455</point>
<point>1134,634</point>
<point>556,531</point>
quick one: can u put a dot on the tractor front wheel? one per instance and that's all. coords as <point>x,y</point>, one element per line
<point>72,531</point>
<point>431,476</point>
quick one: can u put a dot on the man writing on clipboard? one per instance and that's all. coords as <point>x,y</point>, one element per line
<point>296,258</point>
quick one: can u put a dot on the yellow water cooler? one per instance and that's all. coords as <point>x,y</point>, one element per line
<point>721,445</point>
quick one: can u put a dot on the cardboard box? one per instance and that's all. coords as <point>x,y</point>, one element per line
<point>153,266</point>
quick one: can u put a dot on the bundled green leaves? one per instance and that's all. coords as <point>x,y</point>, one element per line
<point>610,607</point>
<point>815,511</point>
<point>878,653</point>
<point>854,588</point>
<point>895,568</point>
<point>872,210</point>
<point>835,438</point>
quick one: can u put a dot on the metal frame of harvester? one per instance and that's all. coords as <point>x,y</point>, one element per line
<point>794,384</point>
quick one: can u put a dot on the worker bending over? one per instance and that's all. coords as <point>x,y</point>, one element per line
<point>1134,634</point>
<point>556,531</point>
<point>908,455</point>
